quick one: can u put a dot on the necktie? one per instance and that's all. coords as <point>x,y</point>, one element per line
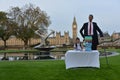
<point>90,29</point>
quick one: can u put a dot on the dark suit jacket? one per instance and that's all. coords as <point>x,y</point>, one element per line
<point>95,34</point>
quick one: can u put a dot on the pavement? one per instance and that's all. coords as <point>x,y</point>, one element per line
<point>112,54</point>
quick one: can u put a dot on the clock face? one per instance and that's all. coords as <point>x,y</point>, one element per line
<point>74,26</point>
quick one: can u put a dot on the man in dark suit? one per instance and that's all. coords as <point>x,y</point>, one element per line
<point>90,29</point>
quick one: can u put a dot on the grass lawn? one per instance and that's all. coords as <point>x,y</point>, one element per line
<point>55,70</point>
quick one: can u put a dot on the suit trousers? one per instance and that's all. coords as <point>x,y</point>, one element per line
<point>94,46</point>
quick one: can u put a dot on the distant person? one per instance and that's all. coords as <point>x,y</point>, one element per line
<point>77,44</point>
<point>90,29</point>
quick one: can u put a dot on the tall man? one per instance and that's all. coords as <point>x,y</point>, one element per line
<point>90,29</point>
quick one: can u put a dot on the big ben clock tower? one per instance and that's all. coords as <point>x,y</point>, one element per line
<point>74,29</point>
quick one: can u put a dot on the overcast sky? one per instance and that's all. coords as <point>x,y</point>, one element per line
<point>106,12</point>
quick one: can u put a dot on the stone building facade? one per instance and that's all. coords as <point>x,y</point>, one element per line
<point>115,35</point>
<point>60,39</point>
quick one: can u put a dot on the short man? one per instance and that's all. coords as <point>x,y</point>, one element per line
<point>90,29</point>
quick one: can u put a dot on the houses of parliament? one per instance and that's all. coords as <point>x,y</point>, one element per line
<point>56,39</point>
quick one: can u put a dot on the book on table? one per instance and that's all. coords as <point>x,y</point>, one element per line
<point>88,43</point>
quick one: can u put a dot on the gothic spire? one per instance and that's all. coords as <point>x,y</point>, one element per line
<point>74,21</point>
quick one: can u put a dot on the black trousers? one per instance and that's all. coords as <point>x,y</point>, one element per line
<point>94,47</point>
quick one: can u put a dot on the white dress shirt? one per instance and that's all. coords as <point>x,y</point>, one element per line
<point>78,47</point>
<point>89,28</point>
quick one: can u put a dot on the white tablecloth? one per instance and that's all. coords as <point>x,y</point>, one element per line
<point>75,58</point>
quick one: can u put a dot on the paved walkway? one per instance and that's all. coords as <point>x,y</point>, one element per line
<point>113,54</point>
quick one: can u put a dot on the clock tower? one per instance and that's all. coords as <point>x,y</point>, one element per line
<point>74,29</point>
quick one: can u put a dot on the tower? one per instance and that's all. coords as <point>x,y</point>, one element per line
<point>74,29</point>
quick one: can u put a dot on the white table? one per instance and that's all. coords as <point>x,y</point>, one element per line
<point>74,58</point>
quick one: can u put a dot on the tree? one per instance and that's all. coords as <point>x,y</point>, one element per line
<point>28,19</point>
<point>5,27</point>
